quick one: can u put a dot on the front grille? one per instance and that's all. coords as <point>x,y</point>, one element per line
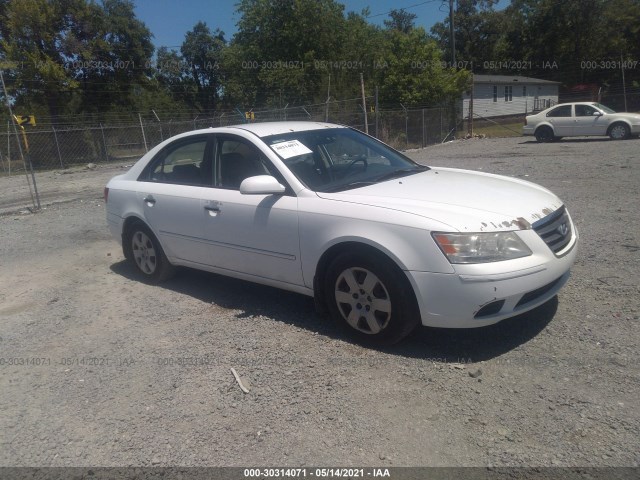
<point>537,293</point>
<point>555,230</point>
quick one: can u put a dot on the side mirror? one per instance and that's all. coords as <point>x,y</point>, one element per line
<point>261,185</point>
<point>597,114</point>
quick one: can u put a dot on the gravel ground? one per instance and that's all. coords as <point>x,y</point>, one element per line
<point>99,369</point>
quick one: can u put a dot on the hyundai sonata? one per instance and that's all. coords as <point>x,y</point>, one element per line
<point>382,243</point>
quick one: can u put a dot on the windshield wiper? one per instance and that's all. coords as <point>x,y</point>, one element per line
<point>401,173</point>
<point>347,186</point>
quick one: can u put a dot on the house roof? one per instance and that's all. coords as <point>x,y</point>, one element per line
<point>511,79</point>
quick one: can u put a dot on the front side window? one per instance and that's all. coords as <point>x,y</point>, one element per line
<point>184,162</point>
<point>336,159</point>
<point>237,160</point>
<point>585,111</point>
<point>563,111</point>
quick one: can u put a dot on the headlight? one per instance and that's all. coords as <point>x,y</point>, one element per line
<point>481,247</point>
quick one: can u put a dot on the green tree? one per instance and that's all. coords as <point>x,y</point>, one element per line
<point>75,55</point>
<point>277,47</point>
<point>202,58</point>
<point>35,48</point>
<point>415,72</point>
<point>401,20</point>
<point>477,28</point>
<point>119,53</point>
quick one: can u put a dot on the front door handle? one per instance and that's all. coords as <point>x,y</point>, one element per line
<point>213,210</point>
<point>149,200</point>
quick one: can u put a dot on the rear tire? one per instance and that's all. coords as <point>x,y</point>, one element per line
<point>143,251</point>
<point>371,298</point>
<point>544,134</point>
<point>619,131</point>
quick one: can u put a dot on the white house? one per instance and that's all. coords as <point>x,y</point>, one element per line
<point>500,95</point>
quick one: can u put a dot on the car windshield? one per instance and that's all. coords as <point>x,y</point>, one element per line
<point>336,159</point>
<point>603,108</point>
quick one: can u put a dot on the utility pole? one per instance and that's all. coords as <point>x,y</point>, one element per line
<point>470,124</point>
<point>364,105</point>
<point>624,87</point>
<point>452,37</point>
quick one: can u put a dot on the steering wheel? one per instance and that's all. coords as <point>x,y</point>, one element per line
<point>361,158</point>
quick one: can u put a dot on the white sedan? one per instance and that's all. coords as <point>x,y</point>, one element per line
<point>382,243</point>
<point>581,119</point>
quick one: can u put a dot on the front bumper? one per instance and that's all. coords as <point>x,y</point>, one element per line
<point>462,300</point>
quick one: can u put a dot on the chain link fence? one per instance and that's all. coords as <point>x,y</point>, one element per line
<point>60,147</point>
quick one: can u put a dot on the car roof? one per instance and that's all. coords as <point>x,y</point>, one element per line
<point>266,129</point>
<point>574,103</point>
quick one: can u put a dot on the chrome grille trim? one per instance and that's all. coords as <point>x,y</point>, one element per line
<point>555,229</point>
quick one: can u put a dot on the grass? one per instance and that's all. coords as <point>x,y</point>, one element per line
<point>513,129</point>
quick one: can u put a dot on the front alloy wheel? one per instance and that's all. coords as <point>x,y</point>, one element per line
<point>368,295</point>
<point>619,131</point>
<point>363,300</point>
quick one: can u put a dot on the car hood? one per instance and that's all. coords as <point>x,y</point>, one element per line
<point>624,116</point>
<point>464,200</point>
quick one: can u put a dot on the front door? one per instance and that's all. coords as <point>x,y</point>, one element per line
<point>251,234</point>
<point>589,121</point>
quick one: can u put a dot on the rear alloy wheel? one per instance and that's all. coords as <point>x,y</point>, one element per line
<point>371,298</point>
<point>619,131</point>
<point>143,250</point>
<point>544,135</point>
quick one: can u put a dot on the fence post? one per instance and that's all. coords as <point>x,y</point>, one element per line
<point>4,169</point>
<point>406,125</point>
<point>423,144</point>
<point>104,144</point>
<point>9,145</point>
<point>144,138</point>
<point>376,107</point>
<point>55,137</point>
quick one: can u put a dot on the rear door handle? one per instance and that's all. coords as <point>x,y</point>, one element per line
<point>149,200</point>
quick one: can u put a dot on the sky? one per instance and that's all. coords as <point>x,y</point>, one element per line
<point>169,20</point>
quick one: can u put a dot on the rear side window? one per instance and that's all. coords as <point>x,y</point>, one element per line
<point>185,162</point>
<point>563,111</point>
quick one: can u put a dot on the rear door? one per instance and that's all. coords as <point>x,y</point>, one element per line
<point>561,118</point>
<point>173,191</point>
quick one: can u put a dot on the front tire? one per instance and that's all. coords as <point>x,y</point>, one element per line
<point>143,251</point>
<point>619,131</point>
<point>371,298</point>
<point>544,135</point>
